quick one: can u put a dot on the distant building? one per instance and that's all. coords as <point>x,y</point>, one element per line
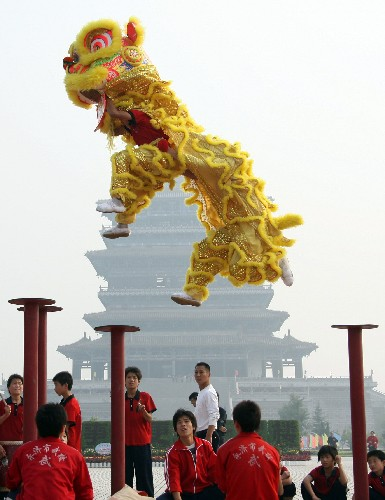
<point>234,331</point>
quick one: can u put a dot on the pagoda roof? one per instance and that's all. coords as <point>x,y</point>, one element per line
<point>102,344</point>
<point>79,346</point>
<point>291,343</point>
<point>124,251</point>
<point>150,319</point>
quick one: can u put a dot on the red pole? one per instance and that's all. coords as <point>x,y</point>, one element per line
<point>117,410</point>
<point>31,322</point>
<point>357,403</point>
<point>117,403</point>
<point>42,353</point>
<point>42,358</point>
<point>31,332</point>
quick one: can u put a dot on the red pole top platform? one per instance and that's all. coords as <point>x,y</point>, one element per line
<point>112,328</point>
<point>52,309</point>
<point>357,405</point>
<point>24,301</point>
<point>45,308</point>
<point>362,327</point>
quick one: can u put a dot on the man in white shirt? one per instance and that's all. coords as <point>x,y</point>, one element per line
<point>207,408</point>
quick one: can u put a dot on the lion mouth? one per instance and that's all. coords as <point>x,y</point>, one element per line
<point>91,96</point>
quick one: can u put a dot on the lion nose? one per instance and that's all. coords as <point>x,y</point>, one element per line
<point>68,62</point>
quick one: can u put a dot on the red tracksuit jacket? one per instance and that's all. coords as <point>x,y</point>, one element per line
<point>50,469</point>
<point>183,474</point>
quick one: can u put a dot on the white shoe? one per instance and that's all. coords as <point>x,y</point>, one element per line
<point>287,275</point>
<point>118,231</point>
<point>185,300</point>
<point>114,205</point>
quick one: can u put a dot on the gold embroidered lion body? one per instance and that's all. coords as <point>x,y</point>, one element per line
<point>243,240</point>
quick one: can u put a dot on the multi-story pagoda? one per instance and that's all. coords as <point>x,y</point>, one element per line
<point>234,331</point>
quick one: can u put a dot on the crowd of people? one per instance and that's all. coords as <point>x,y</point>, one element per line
<point>51,466</point>
<point>200,465</point>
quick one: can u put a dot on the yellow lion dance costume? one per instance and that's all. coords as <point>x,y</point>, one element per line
<point>243,240</point>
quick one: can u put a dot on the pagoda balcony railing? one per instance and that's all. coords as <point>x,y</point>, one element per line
<point>160,356</point>
<point>162,229</point>
<point>106,291</point>
<point>188,340</point>
<point>155,320</point>
<point>271,397</point>
<point>343,381</point>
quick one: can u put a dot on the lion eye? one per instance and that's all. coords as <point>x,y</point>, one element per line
<point>100,41</point>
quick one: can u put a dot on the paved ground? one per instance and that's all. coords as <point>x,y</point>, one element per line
<point>101,477</point>
<point>101,480</point>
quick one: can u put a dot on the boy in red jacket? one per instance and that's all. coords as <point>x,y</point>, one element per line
<point>326,482</point>
<point>376,462</point>
<point>139,407</point>
<point>190,464</point>
<point>47,467</point>
<point>247,466</point>
<point>11,410</point>
<point>63,383</point>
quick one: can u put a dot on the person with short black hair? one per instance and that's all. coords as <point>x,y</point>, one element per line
<point>207,406</point>
<point>47,467</point>
<point>139,407</point>
<point>326,482</point>
<point>221,424</point>
<point>193,398</point>
<point>11,410</point>
<point>332,440</point>
<point>247,466</point>
<point>11,423</point>
<point>63,382</point>
<point>190,463</point>
<point>376,462</point>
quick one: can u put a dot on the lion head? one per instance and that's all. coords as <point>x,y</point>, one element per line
<point>103,61</point>
<point>99,56</point>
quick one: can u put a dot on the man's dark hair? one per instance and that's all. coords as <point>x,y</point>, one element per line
<point>13,377</point>
<point>376,453</point>
<point>133,369</point>
<point>206,365</point>
<point>193,395</point>
<point>50,419</point>
<point>327,450</point>
<point>64,378</point>
<point>184,413</point>
<point>248,415</point>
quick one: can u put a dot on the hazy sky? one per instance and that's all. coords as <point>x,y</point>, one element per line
<point>301,84</point>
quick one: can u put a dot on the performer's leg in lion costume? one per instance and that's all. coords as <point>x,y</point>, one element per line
<point>244,241</point>
<point>137,174</point>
